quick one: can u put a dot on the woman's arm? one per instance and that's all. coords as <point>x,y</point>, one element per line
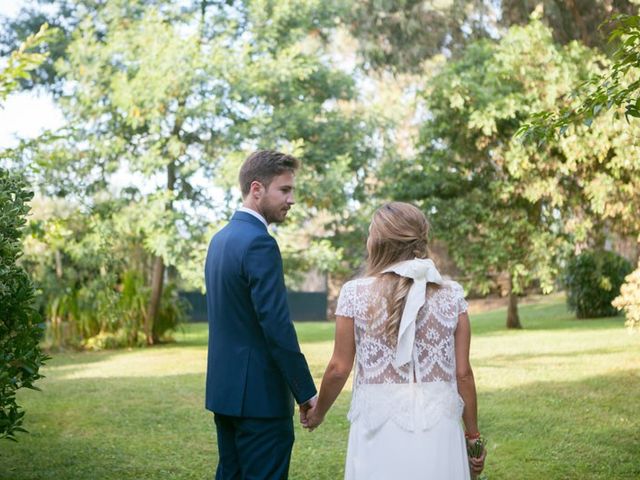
<point>336,374</point>
<point>464,374</point>
<point>467,386</point>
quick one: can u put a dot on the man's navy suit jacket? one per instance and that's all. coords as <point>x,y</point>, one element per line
<point>254,363</point>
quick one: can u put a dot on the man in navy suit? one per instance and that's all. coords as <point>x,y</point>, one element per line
<point>255,368</point>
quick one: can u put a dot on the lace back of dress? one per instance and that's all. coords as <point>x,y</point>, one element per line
<point>434,358</point>
<point>415,395</point>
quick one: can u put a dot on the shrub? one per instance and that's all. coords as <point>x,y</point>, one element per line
<point>173,312</point>
<point>93,276</point>
<point>130,310</point>
<point>20,332</point>
<point>629,299</point>
<point>593,280</point>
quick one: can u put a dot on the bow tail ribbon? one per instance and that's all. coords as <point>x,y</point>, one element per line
<point>407,331</point>
<point>421,271</point>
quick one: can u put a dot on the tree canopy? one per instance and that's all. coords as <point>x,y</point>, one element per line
<point>501,206</point>
<point>401,35</point>
<point>161,105</point>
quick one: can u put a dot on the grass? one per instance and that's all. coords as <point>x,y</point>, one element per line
<point>558,400</point>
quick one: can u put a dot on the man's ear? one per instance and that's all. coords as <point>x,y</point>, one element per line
<point>256,189</point>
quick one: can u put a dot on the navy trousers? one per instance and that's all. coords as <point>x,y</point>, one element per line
<point>253,448</point>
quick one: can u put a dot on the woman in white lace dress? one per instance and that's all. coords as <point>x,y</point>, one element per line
<point>409,332</point>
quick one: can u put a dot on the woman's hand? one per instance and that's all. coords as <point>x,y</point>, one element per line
<point>313,419</point>
<point>476,464</point>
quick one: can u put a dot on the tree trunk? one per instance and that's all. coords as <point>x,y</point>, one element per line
<point>203,17</point>
<point>579,21</point>
<point>157,281</point>
<point>513,319</point>
<point>58,264</point>
<point>157,277</point>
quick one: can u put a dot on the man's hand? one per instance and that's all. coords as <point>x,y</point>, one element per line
<point>305,407</point>
<point>313,419</point>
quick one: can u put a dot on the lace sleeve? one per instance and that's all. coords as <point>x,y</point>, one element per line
<point>345,307</point>
<point>461,302</point>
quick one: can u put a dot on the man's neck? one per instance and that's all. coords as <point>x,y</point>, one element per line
<point>252,211</point>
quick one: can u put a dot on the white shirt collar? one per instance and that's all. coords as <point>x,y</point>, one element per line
<point>255,214</point>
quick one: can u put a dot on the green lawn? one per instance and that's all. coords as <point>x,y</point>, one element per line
<point>558,400</point>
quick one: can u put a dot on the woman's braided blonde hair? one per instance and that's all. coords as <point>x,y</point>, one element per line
<point>398,232</point>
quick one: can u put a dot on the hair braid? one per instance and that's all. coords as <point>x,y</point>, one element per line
<point>398,298</point>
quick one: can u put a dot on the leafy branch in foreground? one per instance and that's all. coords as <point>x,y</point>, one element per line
<point>24,60</point>
<point>618,87</point>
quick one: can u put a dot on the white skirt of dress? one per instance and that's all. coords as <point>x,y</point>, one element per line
<point>390,452</point>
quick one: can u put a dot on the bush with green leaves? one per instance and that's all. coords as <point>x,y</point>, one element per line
<point>93,275</point>
<point>593,279</point>
<point>20,331</point>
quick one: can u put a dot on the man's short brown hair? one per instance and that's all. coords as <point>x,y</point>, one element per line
<point>263,166</point>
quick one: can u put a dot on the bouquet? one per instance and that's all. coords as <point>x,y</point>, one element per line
<point>475,450</point>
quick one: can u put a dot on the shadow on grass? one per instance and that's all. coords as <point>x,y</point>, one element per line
<point>570,430</point>
<point>114,428</point>
<point>156,427</point>
<point>547,430</point>
<point>142,428</point>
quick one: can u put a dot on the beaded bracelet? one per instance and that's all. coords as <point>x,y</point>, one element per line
<point>475,436</point>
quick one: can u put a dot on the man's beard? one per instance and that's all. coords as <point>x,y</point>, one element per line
<point>273,214</point>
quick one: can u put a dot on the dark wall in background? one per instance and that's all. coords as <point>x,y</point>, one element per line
<point>198,302</point>
<point>307,306</point>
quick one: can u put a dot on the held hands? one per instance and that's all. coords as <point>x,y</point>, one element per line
<point>313,419</point>
<point>305,407</point>
<point>309,416</point>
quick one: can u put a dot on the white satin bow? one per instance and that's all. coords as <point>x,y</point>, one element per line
<point>421,270</point>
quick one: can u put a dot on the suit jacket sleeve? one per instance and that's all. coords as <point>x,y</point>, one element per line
<point>263,266</point>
